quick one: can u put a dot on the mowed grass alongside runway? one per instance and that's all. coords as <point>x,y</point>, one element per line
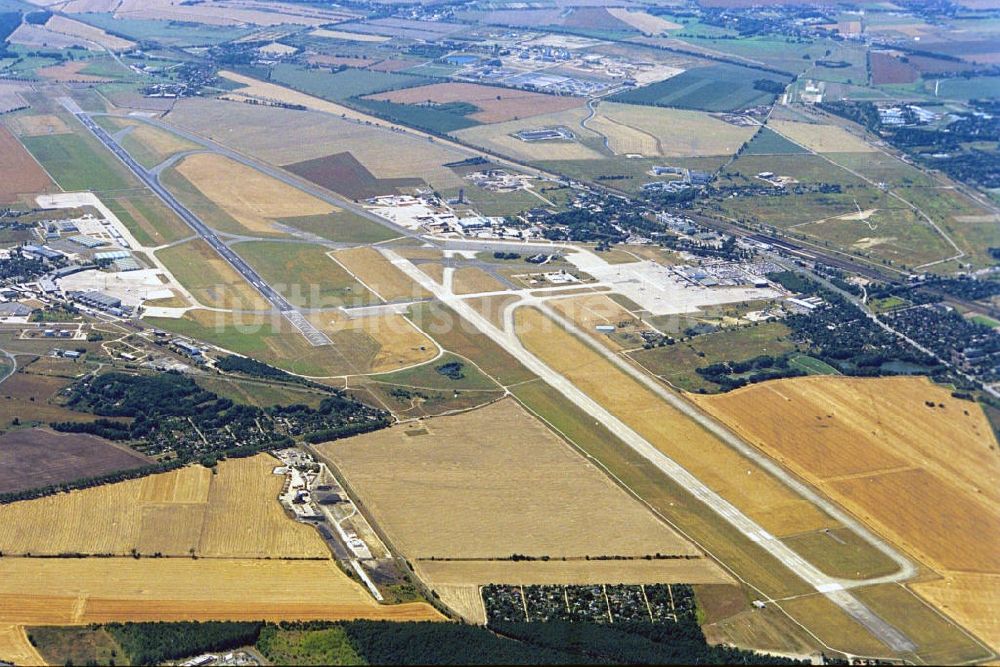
<point>77,162</point>
<point>304,274</point>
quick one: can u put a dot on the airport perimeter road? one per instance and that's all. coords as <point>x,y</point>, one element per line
<point>834,589</point>
<point>311,333</point>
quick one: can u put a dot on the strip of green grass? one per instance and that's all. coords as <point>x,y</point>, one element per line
<point>427,376</point>
<point>344,84</point>
<point>304,274</point>
<point>342,227</point>
<point>78,164</point>
<point>811,365</point>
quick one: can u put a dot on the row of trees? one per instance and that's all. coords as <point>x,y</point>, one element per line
<point>434,643</point>
<point>735,374</point>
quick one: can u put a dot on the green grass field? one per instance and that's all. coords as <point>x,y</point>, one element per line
<point>769,142</point>
<point>882,168</point>
<point>304,274</point>
<point>795,209</point>
<point>78,163</point>
<point>677,363</point>
<point>626,174</point>
<point>887,304</point>
<point>944,206</point>
<point>426,376</point>
<point>76,646</point>
<point>149,220</point>
<point>977,87</point>
<point>803,167</point>
<point>107,67</point>
<point>812,365</point>
<point>506,203</point>
<point>454,334</point>
<point>342,227</point>
<point>985,321</point>
<point>259,393</point>
<point>276,342</point>
<point>940,642</point>
<point>711,88</point>
<point>892,234</point>
<point>168,33</point>
<point>426,118</point>
<point>843,553</point>
<point>344,84</point>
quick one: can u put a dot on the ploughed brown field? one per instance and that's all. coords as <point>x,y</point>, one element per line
<point>19,173</point>
<point>343,174</point>
<point>39,457</point>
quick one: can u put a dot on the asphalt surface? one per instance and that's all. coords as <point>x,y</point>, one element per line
<point>281,304</point>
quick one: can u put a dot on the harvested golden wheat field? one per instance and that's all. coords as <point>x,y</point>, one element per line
<point>821,138</point>
<point>349,36</point>
<point>655,131</point>
<point>471,280</point>
<point>762,497</point>
<point>15,647</point>
<point>252,198</point>
<point>70,591</point>
<point>592,310</point>
<point>232,514</point>
<point>378,274</point>
<point>37,126</point>
<point>923,476</point>
<point>159,143</point>
<point>229,13</point>
<point>465,600</point>
<point>394,341</point>
<point>643,21</point>
<point>490,483</point>
<point>972,599</point>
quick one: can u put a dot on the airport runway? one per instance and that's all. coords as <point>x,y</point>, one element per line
<point>836,590</point>
<point>280,303</point>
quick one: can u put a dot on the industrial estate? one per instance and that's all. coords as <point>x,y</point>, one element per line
<point>489,332</point>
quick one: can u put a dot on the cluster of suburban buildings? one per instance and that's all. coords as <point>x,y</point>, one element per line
<point>686,178</point>
<point>429,213</point>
